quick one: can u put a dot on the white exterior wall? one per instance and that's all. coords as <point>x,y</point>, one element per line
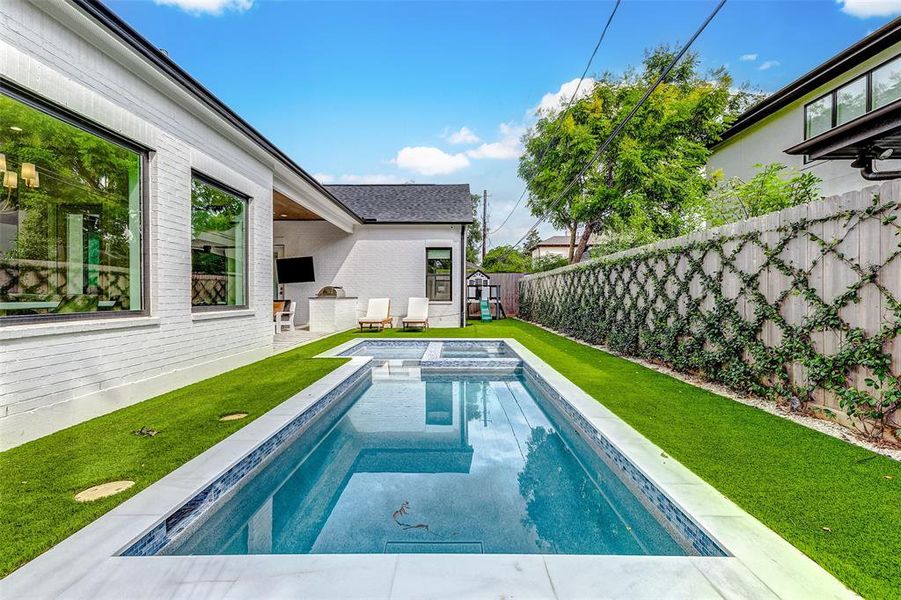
<point>373,262</point>
<point>539,251</point>
<point>94,361</point>
<point>766,141</point>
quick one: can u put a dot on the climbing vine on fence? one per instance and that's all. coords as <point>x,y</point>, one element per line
<point>788,312</point>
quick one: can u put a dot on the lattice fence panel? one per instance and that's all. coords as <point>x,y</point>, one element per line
<point>801,306</point>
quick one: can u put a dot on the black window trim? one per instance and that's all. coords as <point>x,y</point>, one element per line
<point>868,76</point>
<point>203,177</point>
<point>48,107</point>
<point>450,276</point>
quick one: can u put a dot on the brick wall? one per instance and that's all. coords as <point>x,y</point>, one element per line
<point>79,67</point>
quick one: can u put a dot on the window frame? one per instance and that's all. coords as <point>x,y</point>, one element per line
<point>224,187</point>
<point>450,249</point>
<point>61,113</point>
<point>868,77</point>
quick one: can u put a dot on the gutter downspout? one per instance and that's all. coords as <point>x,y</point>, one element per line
<point>869,174</point>
<point>462,273</point>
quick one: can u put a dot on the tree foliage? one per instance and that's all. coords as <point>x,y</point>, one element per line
<point>507,259</point>
<point>474,232</point>
<point>650,177</point>
<point>772,188</point>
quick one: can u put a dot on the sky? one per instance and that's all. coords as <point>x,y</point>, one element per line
<point>441,92</point>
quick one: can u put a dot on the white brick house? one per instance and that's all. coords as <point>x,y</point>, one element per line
<point>188,201</point>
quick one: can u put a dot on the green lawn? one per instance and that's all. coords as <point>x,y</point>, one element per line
<point>793,479</point>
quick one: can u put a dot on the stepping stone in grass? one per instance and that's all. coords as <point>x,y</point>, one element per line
<point>103,490</point>
<point>233,417</point>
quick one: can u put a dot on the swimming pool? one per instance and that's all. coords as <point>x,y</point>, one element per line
<point>442,454</point>
<point>234,502</point>
<point>436,464</point>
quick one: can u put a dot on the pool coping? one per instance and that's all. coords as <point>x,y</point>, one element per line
<point>85,565</point>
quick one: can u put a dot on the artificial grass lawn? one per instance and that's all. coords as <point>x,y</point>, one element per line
<point>39,479</point>
<point>793,479</point>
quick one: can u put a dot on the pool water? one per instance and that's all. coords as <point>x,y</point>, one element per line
<point>468,350</point>
<point>434,463</point>
<point>407,350</point>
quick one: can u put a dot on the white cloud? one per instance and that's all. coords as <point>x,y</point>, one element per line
<point>211,7</point>
<point>748,57</point>
<point>506,148</point>
<point>428,160</point>
<point>465,135</point>
<point>554,101</point>
<point>326,178</point>
<point>870,8</point>
<point>768,64</point>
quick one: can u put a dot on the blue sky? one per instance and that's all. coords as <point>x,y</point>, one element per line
<point>375,92</point>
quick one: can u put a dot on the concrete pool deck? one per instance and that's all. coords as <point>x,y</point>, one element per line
<point>761,564</point>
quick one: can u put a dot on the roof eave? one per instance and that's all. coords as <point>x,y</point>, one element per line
<point>138,43</point>
<point>876,42</point>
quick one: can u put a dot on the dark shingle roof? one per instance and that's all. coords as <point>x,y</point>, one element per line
<point>407,203</point>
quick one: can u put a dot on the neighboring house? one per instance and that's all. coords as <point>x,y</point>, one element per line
<point>844,111</point>
<point>409,244</point>
<point>558,245</point>
<point>137,219</point>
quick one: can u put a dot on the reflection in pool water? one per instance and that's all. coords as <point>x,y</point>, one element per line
<point>435,464</point>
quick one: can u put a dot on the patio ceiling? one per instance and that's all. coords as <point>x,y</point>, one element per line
<point>286,209</point>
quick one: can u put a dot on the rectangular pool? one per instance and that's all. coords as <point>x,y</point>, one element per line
<point>427,463</point>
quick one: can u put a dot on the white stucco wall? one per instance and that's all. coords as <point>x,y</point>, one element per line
<point>539,251</point>
<point>766,141</point>
<point>375,261</point>
<point>95,363</point>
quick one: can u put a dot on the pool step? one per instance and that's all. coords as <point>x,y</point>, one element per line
<point>396,370</point>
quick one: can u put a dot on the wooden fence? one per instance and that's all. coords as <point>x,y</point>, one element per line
<point>509,290</point>
<point>803,305</point>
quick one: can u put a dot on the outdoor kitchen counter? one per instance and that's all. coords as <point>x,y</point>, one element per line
<point>328,313</point>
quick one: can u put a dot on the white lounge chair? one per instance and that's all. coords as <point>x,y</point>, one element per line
<point>417,313</point>
<point>377,314</point>
<point>285,316</point>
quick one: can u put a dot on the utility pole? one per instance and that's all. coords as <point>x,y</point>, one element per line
<point>484,222</point>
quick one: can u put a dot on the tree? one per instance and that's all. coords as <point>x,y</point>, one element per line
<point>547,262</point>
<point>506,259</point>
<point>532,240</point>
<point>651,175</point>
<point>474,232</point>
<point>772,188</point>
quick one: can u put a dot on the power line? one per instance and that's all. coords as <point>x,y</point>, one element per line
<point>569,104</point>
<point>629,116</point>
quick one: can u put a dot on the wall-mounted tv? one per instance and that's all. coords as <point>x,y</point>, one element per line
<point>295,269</point>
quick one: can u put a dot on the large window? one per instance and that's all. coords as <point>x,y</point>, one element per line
<point>887,83</point>
<point>70,217</point>
<point>219,247</point>
<point>851,101</point>
<point>438,274</point>
<point>873,90</point>
<point>818,117</point>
